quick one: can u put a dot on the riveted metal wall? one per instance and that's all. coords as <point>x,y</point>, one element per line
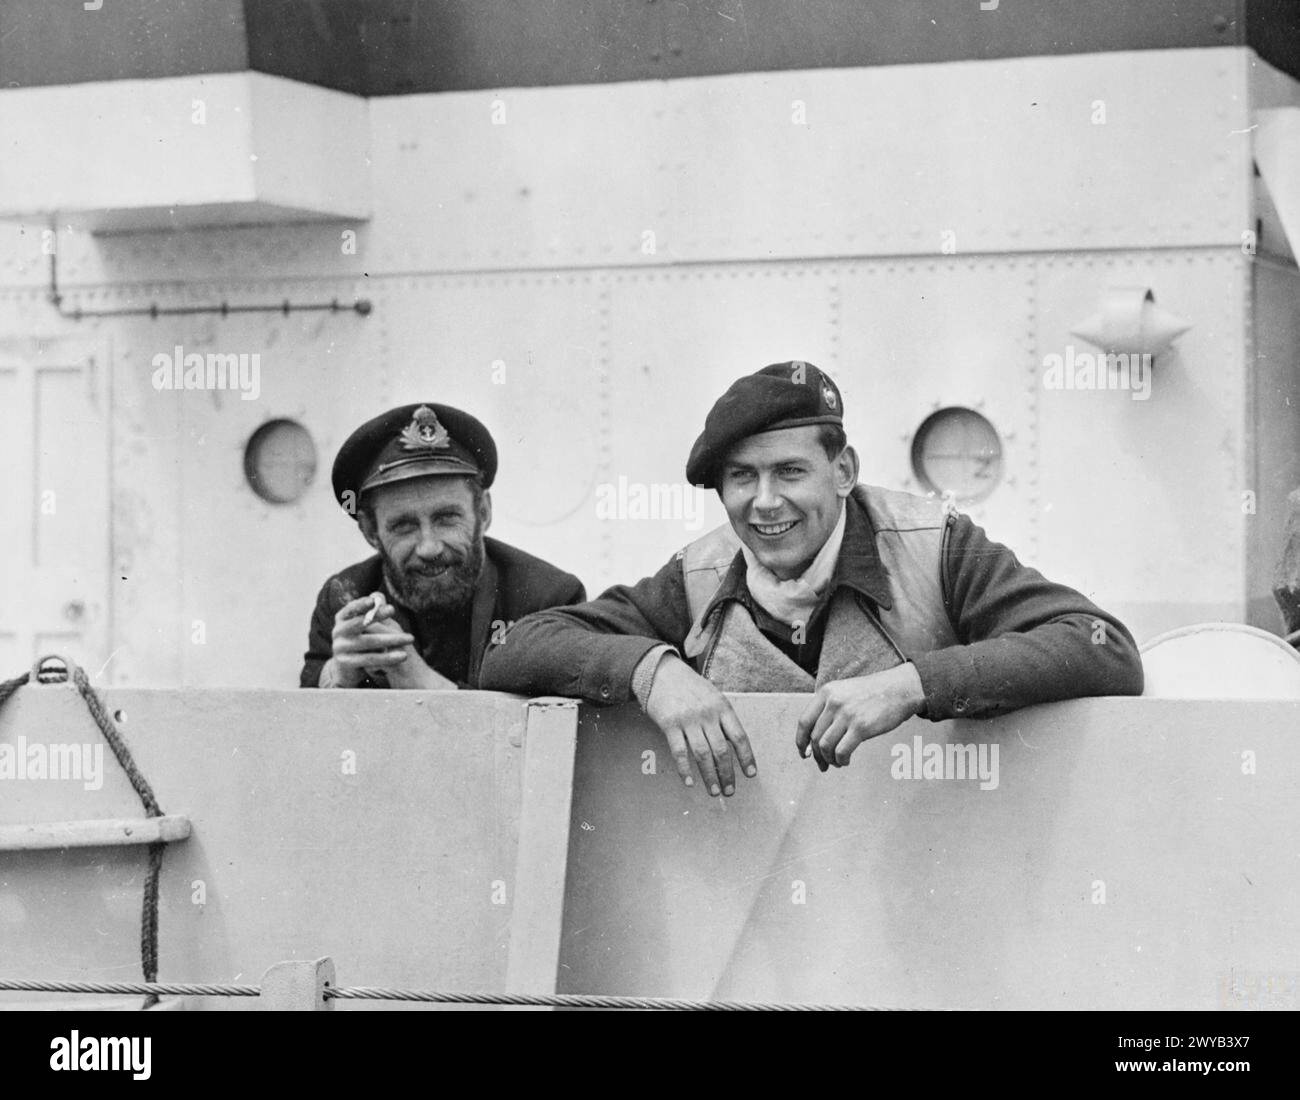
<point>1151,489</point>
<point>511,273</point>
<point>1029,155</point>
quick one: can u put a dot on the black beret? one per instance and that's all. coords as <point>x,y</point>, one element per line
<point>421,440</point>
<point>784,395</point>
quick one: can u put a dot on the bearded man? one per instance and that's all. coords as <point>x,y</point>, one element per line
<point>422,610</point>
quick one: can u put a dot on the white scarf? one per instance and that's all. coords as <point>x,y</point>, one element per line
<point>792,602</point>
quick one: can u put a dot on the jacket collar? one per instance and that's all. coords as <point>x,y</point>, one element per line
<point>482,612</point>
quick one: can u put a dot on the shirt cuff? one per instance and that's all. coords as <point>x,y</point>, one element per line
<point>643,676</point>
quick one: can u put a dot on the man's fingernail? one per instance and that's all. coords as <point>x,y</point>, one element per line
<point>690,782</point>
<point>730,791</point>
<point>751,771</point>
<point>714,789</point>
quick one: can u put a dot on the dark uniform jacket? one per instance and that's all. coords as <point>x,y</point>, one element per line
<point>1023,639</point>
<point>513,584</point>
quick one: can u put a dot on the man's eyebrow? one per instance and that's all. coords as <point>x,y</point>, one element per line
<point>794,460</point>
<point>413,516</point>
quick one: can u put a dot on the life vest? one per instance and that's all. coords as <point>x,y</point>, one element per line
<point>729,649</point>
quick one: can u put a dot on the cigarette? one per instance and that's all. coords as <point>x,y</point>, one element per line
<point>370,615</point>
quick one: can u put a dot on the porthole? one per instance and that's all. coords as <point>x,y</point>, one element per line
<point>280,461</point>
<point>957,451</point>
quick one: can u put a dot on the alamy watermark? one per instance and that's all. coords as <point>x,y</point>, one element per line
<point>76,762</point>
<point>1085,370</point>
<point>116,1054</point>
<point>949,760</point>
<point>178,370</point>
<point>636,500</point>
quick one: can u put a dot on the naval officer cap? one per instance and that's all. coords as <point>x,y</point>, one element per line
<point>784,395</point>
<point>423,440</point>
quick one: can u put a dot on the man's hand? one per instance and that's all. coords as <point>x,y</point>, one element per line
<point>381,644</point>
<point>698,721</point>
<point>845,713</point>
<point>412,673</point>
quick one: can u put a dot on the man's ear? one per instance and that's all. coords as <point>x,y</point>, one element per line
<point>485,509</point>
<point>846,468</point>
<point>368,531</point>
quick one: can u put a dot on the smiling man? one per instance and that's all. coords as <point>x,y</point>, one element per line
<point>421,611</point>
<point>882,605</point>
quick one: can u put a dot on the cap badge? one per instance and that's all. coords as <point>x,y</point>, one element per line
<point>828,395</point>
<point>424,433</point>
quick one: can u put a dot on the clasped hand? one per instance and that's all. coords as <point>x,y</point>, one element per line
<point>362,647</point>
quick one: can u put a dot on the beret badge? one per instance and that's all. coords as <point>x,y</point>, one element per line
<point>424,433</point>
<point>828,395</point>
